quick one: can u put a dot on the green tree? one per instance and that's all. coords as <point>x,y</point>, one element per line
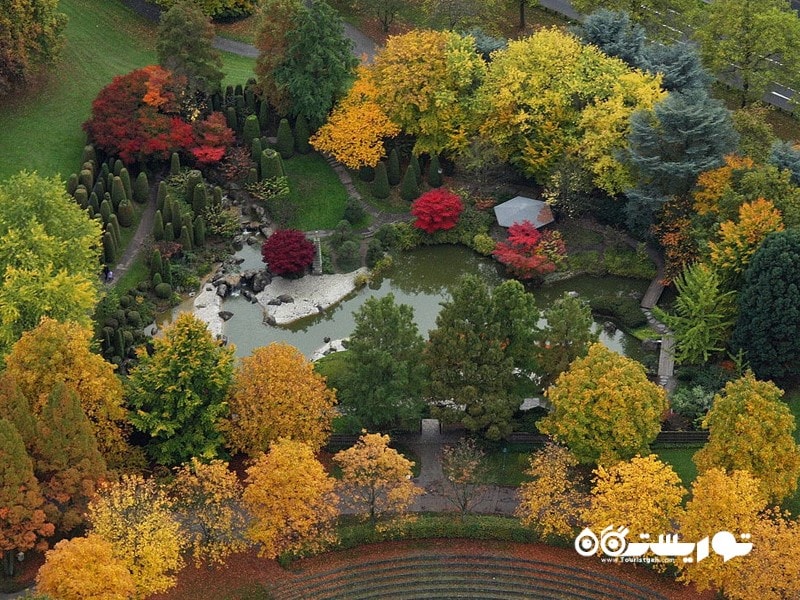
<point>177,395</point>
<point>751,429</point>
<point>49,256</point>
<point>615,34</point>
<point>604,408</point>
<point>23,523</point>
<point>480,337</point>
<point>567,336</point>
<point>703,316</point>
<point>680,66</point>
<point>750,43</point>
<point>382,386</point>
<point>319,64</point>
<point>682,136</point>
<point>30,35</point>
<point>651,13</point>
<point>272,45</point>
<point>67,462</point>
<point>768,325</point>
<point>185,46</point>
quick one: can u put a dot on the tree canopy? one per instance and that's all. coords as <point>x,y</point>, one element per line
<point>49,256</point>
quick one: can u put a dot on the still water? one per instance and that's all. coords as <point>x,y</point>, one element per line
<point>422,279</point>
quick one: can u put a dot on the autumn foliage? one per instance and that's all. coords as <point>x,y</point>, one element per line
<point>291,500</point>
<point>529,253</point>
<point>141,116</point>
<point>437,210</point>
<point>84,568</point>
<point>287,252</point>
<point>277,394</point>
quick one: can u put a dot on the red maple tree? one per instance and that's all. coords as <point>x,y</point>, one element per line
<point>437,210</point>
<point>529,253</point>
<point>287,252</point>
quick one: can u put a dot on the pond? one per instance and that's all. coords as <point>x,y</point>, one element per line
<point>422,279</point>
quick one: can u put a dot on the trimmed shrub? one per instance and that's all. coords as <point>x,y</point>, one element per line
<point>301,135</point>
<point>414,164</point>
<point>104,171</point>
<point>285,141</point>
<point>437,210</point>
<point>251,129</point>
<point>216,196</point>
<point>125,213</point>
<point>117,193</point>
<point>393,168</point>
<point>126,182</point>
<point>118,166</point>
<point>163,291</point>
<point>348,256</point>
<point>380,187</point>
<point>195,177</point>
<point>353,211</point>
<point>141,189</point>
<point>375,252</point>
<point>434,172</point>
<point>409,189</point>
<point>483,244</point>
<point>105,210</point>
<point>86,179</point>
<point>134,318</point>
<point>252,176</point>
<point>99,188</point>
<point>230,118</point>
<point>176,218</point>
<point>200,199</point>
<point>366,173</point>
<point>89,154</point>
<point>256,149</point>
<point>169,233</point>
<point>250,100</point>
<point>156,279</point>
<point>174,164</point>
<point>161,195</point>
<point>156,264</point>
<point>81,196</point>
<point>186,239</point>
<point>94,203</point>
<point>271,164</point>
<point>199,231</point>
<point>72,184</point>
<point>109,251</point>
<point>158,227</point>
<point>113,224</point>
<point>109,182</point>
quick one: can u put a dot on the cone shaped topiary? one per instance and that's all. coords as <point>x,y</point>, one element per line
<point>86,179</point>
<point>113,224</point>
<point>109,252</point>
<point>118,166</point>
<point>81,197</point>
<point>252,176</point>
<point>194,178</point>
<point>434,172</point>
<point>409,190</point>
<point>285,142</point>
<point>169,233</point>
<point>414,164</point>
<point>125,213</point>
<point>161,196</point>
<point>271,164</point>
<point>117,193</point>
<point>174,164</point>
<point>141,188</point>
<point>263,115</point>
<point>186,241</point>
<point>200,200</point>
<point>158,227</point>
<point>105,211</point>
<point>94,202</point>
<point>72,184</point>
<point>393,168</point>
<point>256,149</point>
<point>380,186</point>
<point>230,118</point>
<point>251,129</point>
<point>301,135</point>
<point>199,232</point>
<point>216,196</point>
<point>126,182</point>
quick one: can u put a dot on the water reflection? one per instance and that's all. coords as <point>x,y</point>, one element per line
<point>422,279</point>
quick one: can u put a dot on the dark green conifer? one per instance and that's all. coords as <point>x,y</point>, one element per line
<point>285,141</point>
<point>409,190</point>
<point>141,189</point>
<point>393,168</point>
<point>158,227</point>
<point>380,186</point>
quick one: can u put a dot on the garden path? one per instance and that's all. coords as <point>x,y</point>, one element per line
<point>143,230</point>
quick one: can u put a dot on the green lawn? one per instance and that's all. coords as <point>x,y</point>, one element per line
<point>680,459</point>
<point>40,128</point>
<point>316,191</point>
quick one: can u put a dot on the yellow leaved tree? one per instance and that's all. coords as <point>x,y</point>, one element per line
<point>277,394</point>
<point>642,494</point>
<point>552,501</point>
<point>84,568</point>
<point>57,352</point>
<point>207,497</point>
<point>135,516</point>
<point>291,500</point>
<point>376,479</point>
<point>355,131</point>
<point>751,429</point>
<point>720,502</point>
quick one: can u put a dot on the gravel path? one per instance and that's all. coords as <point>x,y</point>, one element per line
<point>144,229</point>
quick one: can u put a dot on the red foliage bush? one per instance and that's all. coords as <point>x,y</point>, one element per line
<point>138,116</point>
<point>437,210</point>
<point>287,252</point>
<point>528,252</point>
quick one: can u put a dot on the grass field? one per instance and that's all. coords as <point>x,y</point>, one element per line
<point>316,191</point>
<point>40,128</point>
